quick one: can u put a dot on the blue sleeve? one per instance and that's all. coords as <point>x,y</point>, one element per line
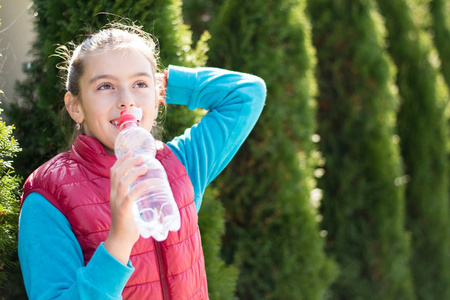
<point>234,102</point>
<point>52,261</point>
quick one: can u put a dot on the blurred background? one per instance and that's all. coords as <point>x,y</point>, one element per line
<point>342,189</point>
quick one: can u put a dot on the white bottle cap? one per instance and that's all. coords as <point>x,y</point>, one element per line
<point>136,112</point>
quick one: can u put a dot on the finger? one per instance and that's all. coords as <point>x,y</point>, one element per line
<point>122,159</point>
<point>129,177</point>
<point>133,174</point>
<point>124,165</point>
<point>123,173</point>
<point>139,189</point>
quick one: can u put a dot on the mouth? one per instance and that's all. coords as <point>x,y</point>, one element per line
<point>116,122</point>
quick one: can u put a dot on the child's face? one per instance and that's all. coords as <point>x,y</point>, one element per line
<point>113,82</point>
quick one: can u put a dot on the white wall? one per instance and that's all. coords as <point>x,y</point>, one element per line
<point>16,37</point>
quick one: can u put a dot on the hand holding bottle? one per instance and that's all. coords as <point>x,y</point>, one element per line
<point>155,211</point>
<point>123,233</point>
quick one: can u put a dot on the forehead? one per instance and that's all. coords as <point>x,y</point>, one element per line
<point>120,63</point>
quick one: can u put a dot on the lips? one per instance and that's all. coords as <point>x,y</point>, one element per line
<point>116,122</point>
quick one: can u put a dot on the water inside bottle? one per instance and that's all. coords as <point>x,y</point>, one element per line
<point>157,216</point>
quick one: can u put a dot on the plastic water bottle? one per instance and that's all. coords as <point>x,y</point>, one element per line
<point>155,212</point>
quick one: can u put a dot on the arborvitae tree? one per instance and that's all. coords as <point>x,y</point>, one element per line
<point>198,15</point>
<point>9,201</point>
<point>221,278</point>
<point>440,27</point>
<point>9,204</point>
<point>423,134</point>
<point>37,116</point>
<point>272,233</point>
<point>363,197</point>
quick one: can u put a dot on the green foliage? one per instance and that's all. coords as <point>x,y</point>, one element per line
<point>9,203</point>
<point>271,230</point>
<point>440,28</point>
<point>363,198</point>
<point>198,15</point>
<point>221,278</point>
<point>423,135</point>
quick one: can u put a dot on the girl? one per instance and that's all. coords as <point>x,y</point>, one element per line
<point>77,236</point>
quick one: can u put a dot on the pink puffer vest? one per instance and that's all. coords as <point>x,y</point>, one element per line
<point>78,184</point>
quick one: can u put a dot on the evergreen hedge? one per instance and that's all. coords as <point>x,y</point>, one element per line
<point>272,233</point>
<point>440,28</point>
<point>38,114</point>
<point>9,204</point>
<point>198,14</point>
<point>423,135</point>
<point>363,194</point>
<point>9,201</point>
<point>222,278</point>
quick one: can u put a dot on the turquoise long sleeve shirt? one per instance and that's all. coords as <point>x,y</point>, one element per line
<point>50,255</point>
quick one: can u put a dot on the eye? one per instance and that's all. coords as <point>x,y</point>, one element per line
<point>105,86</point>
<point>141,85</point>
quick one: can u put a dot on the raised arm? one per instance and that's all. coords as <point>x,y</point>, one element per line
<point>234,102</point>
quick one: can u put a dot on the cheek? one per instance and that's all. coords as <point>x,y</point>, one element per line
<point>95,108</point>
<point>148,100</point>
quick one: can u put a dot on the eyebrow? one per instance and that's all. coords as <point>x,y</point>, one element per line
<point>108,76</point>
<point>101,76</point>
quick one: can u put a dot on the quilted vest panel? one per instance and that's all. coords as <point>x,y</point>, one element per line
<point>77,183</point>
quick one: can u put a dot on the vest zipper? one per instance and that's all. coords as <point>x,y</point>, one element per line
<point>162,271</point>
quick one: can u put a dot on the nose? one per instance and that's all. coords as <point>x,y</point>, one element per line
<point>126,100</point>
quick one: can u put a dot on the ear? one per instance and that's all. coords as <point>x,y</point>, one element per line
<point>73,106</point>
